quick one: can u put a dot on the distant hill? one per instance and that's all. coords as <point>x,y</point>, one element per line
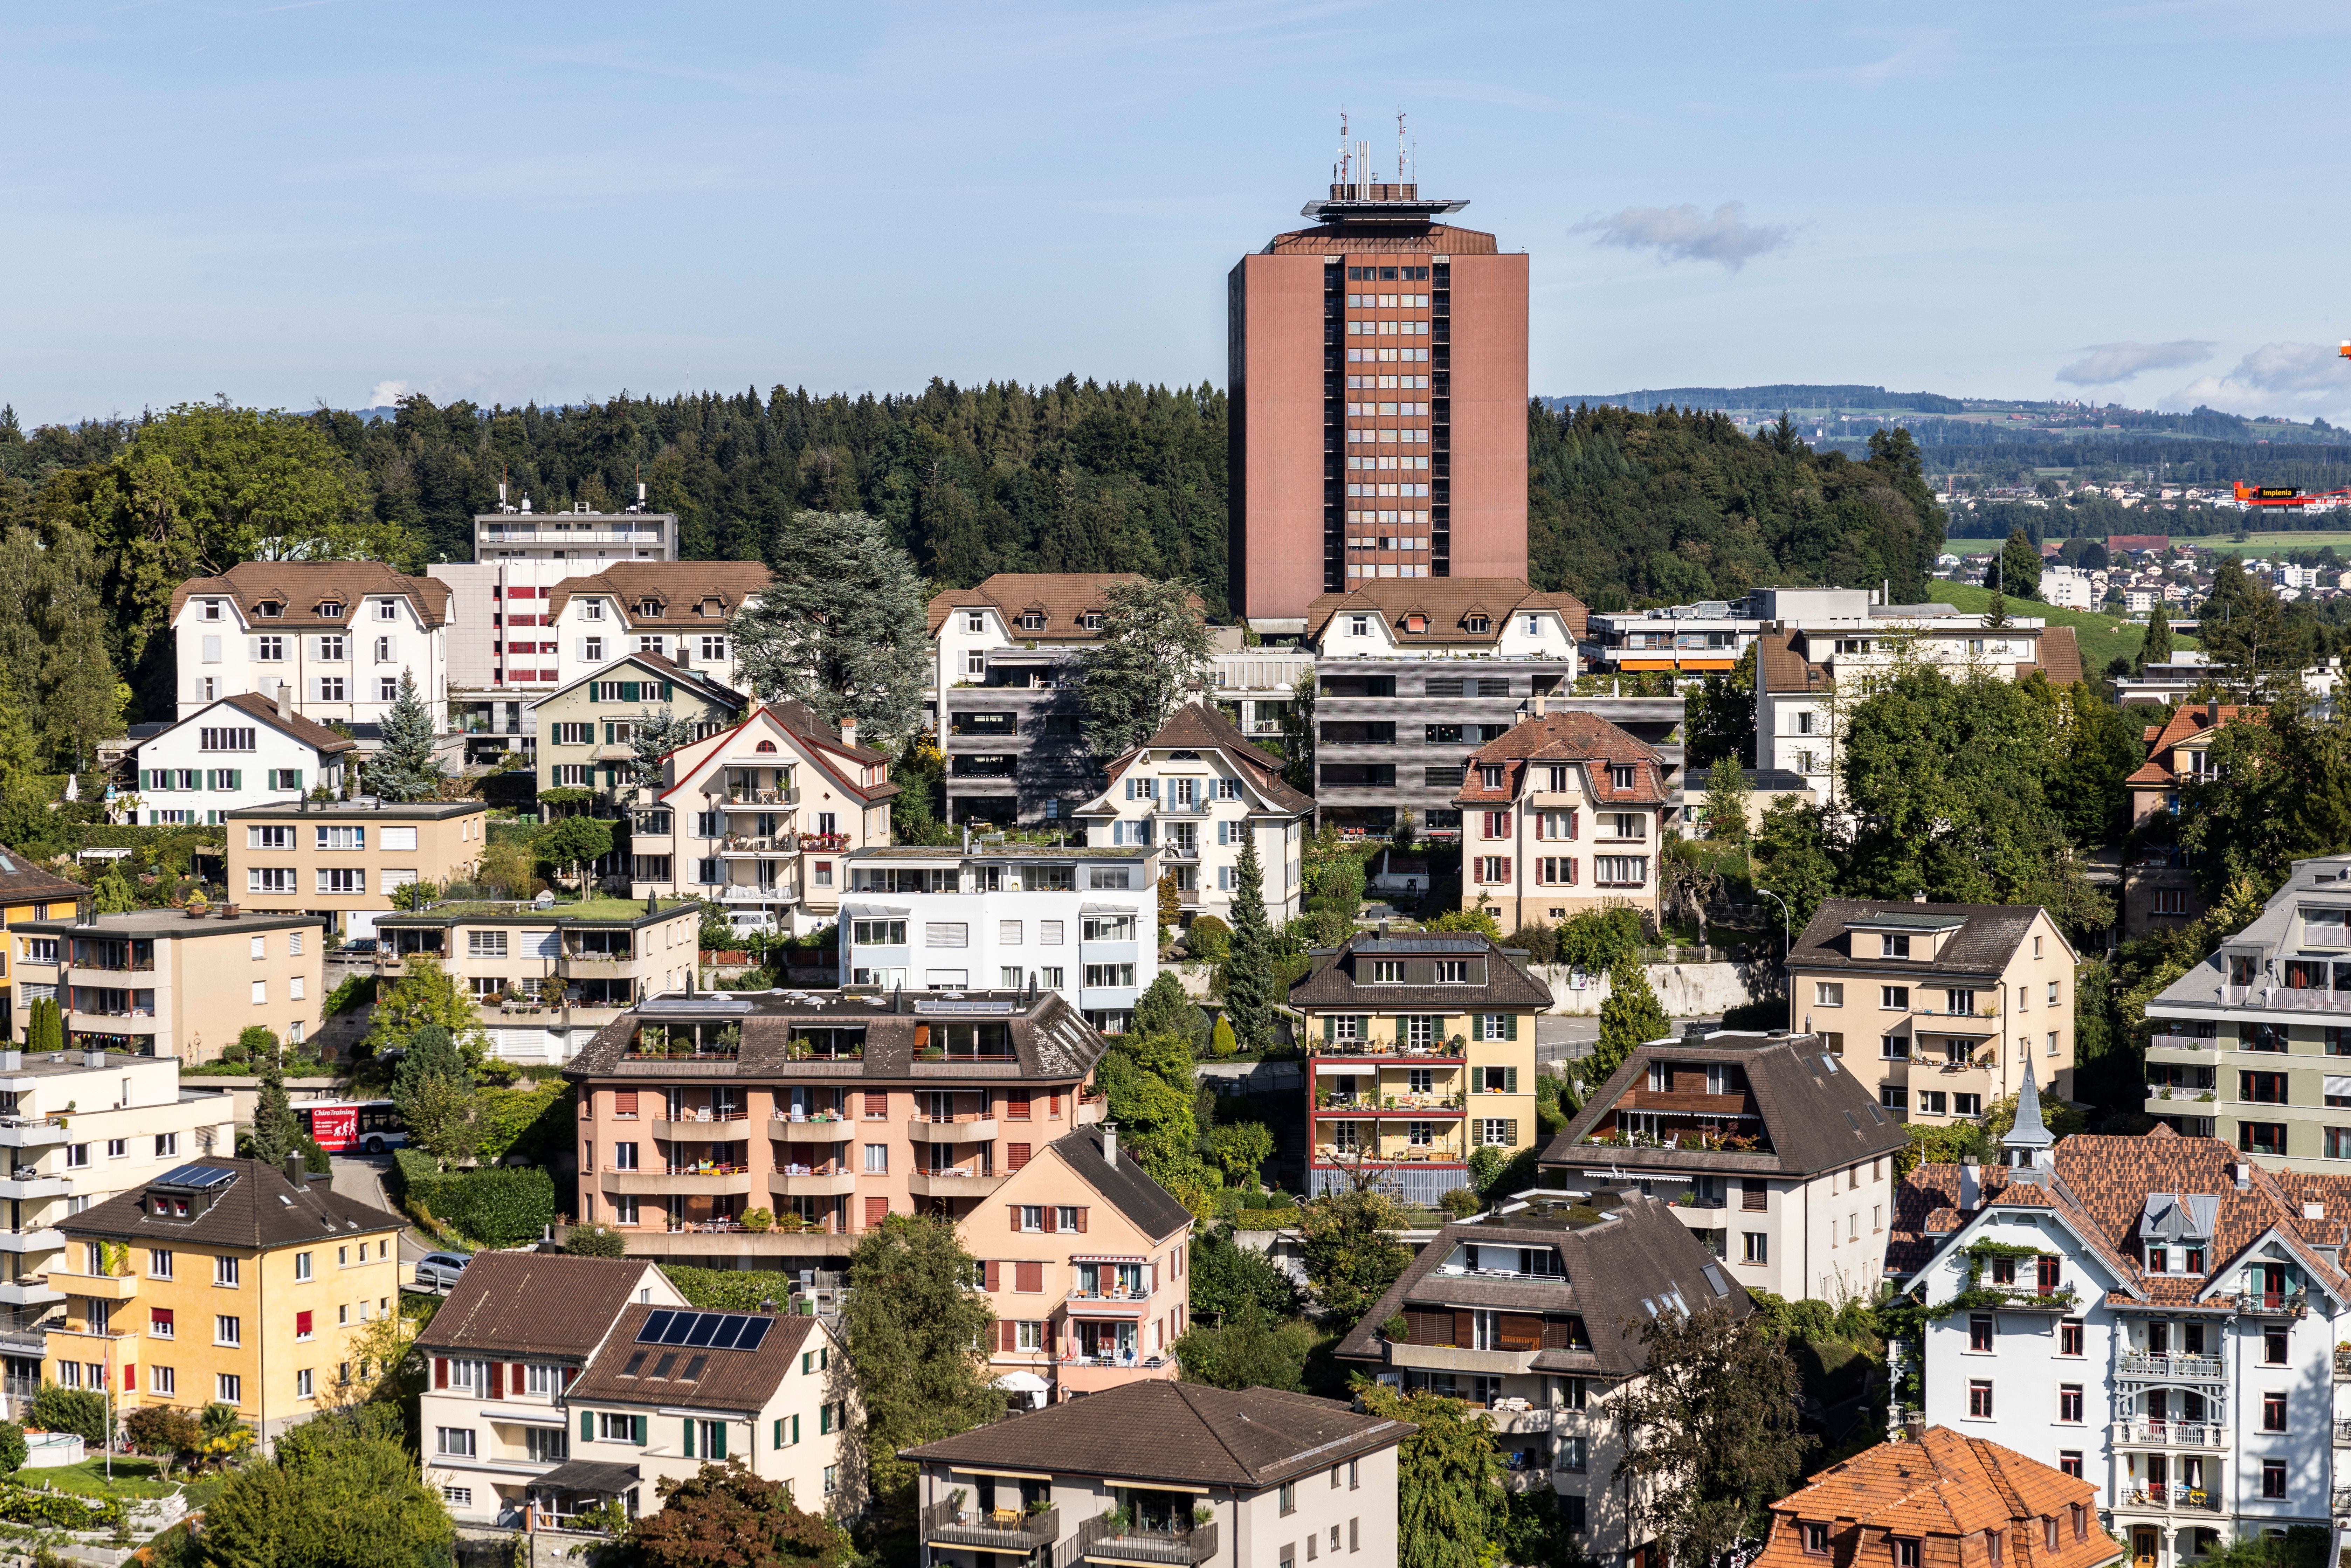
<point>1794,397</point>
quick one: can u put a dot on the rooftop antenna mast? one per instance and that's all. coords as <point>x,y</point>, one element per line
<point>1400,160</point>
<point>1342,173</point>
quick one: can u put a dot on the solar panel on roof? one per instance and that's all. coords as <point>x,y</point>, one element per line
<point>712,1330</point>
<point>754,1331</point>
<point>195,1176</point>
<point>728,1330</point>
<point>704,1327</point>
<point>651,1333</point>
<point>679,1327</point>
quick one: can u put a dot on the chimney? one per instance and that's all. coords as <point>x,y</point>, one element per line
<point>1110,1142</point>
<point>93,1058</point>
<point>849,729</point>
<point>285,704</point>
<point>1542,701</point>
<point>2244,1179</point>
<point>296,1172</point>
<point>12,1060</point>
<point>1971,1184</point>
<point>1919,896</point>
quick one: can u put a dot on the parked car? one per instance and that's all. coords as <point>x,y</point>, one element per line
<point>361,948</point>
<point>746,921</point>
<point>439,1270</point>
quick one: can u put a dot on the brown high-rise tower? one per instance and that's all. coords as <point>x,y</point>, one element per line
<point>1379,402</point>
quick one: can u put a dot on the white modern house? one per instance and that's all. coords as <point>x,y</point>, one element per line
<point>335,636</point>
<point>2155,1314</point>
<point>1195,791</point>
<point>244,750</point>
<point>1006,917</point>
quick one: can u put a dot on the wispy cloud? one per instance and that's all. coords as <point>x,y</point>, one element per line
<point>2300,379</point>
<point>1686,234</point>
<point>2102,364</point>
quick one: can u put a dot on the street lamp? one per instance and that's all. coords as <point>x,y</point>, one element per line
<point>1787,925</point>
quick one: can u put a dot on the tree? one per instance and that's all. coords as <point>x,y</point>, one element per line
<point>841,626</point>
<point>405,768</point>
<point>1631,1016</point>
<point>577,841</point>
<point>2246,630</point>
<point>1247,1349</point>
<point>1165,1008</point>
<point>918,1335</point>
<point>1298,734</point>
<point>257,1041</point>
<point>340,1492</point>
<point>1727,794</point>
<point>167,1432</point>
<point>81,1411</point>
<point>2156,648</point>
<point>1241,1149</point>
<point>1152,653</point>
<point>276,1131</point>
<point>1450,1500</point>
<point>2276,789</point>
<point>2097,748</point>
<point>44,1027</point>
<point>1718,721</point>
<point>114,893</point>
<point>596,1241</point>
<point>1793,853</point>
<point>1249,973</point>
<point>434,1088</point>
<point>1209,939</point>
<point>1153,1108</point>
<point>1224,1275</point>
<point>1350,1252</point>
<point>1593,940</point>
<point>723,1516</point>
<point>654,734</point>
<point>1710,1434</point>
<point>384,1367</point>
<point>426,995</point>
<point>2019,566</point>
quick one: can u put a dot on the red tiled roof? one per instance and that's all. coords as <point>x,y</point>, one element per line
<point>1784,669</point>
<point>2059,653</point>
<point>2160,772</point>
<point>1197,727</point>
<point>681,588</point>
<point>1444,605</point>
<point>1580,739</point>
<point>1061,596</point>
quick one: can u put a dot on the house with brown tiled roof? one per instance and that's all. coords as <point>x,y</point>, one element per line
<point>1565,812</point>
<point>2156,1315</point>
<point>245,751</point>
<point>682,609</point>
<point>1939,1499</point>
<point>333,637</point>
<point>1442,617</point>
<point>2178,752</point>
<point>1200,790</point>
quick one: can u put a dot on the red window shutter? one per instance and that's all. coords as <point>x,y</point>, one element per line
<point>1082,1221</point>
<point>1050,1219</point>
<point>1015,1107</point>
<point>517,1377</point>
<point>129,1378</point>
<point>877,1102</point>
<point>494,1383</point>
<point>994,1271</point>
<point>571,1375</point>
<point>1053,1105</point>
<point>301,1326</point>
<point>1003,1335</point>
<point>1029,1277</point>
<point>1015,1156</point>
<point>877,1209</point>
<point>624,1102</point>
<point>440,1372</point>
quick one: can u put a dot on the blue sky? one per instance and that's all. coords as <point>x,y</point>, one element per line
<point>292,203</point>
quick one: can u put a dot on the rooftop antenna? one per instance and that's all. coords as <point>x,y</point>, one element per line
<point>1399,169</point>
<point>1346,170</point>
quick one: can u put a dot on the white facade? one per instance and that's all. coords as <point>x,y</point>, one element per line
<point>350,671</point>
<point>1197,808</point>
<point>1529,632</point>
<point>591,631</point>
<point>222,757</point>
<point>1682,638</point>
<point>1002,917</point>
<point>2069,588</point>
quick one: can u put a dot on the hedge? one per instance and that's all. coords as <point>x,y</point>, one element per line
<point>60,1510</point>
<point>497,1206</point>
<point>732,1290</point>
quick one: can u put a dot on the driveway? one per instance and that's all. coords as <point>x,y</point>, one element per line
<point>359,1177</point>
<point>1562,1037</point>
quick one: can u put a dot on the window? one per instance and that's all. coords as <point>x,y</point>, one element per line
<point>159,1322</point>
<point>2274,1344</point>
<point>1815,1537</point>
<point>2069,1462</point>
<point>1893,946</point>
<point>1288,1498</point>
<point>1905,1554</point>
<point>2273,1412</point>
<point>344,879</point>
<point>1894,1097</point>
<point>302,1269</point>
<point>227,1331</point>
<point>2273,1477</point>
<point>163,1380</point>
<point>457,1442</point>
<point>2262,1088</point>
<point>485,944</point>
<point>77,1157</point>
<point>1828,993</point>
<point>1758,1247</point>
<point>305,1385</point>
<point>1980,1331</point>
<point>2069,1337</point>
<point>1893,999</point>
<point>228,1388</point>
<point>2069,1402</point>
<point>1979,1399</point>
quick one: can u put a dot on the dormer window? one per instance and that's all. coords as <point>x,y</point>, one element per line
<point>330,609</point>
<point>649,609</point>
<point>1620,776</point>
<point>1091,621</point>
<point>712,609</point>
<point>387,609</point>
<point>1031,621</point>
<point>1893,946</point>
<point>1491,777</point>
<point>212,610</point>
<point>268,610</point>
<point>1359,625</point>
<point>591,609</point>
<point>1478,624</point>
<point>765,746</point>
<point>1415,623</point>
<point>2158,1260</point>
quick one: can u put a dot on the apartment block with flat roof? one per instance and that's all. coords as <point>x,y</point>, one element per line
<point>169,982</point>
<point>342,860</point>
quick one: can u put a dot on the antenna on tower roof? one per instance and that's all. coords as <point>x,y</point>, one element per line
<point>1342,171</point>
<point>1399,169</point>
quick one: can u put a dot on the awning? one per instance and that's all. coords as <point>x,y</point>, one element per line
<point>873,912</point>
<point>1023,1383</point>
<point>586,1475</point>
<point>1106,909</point>
<point>1106,1258</point>
<point>1121,1312</point>
<point>1713,664</point>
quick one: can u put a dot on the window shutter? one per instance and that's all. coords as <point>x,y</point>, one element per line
<point>638,1430</point>
<point>1326,1026</point>
<point>994,1274</point>
<point>440,1372</point>
<point>1081,1222</point>
<point>236,778</point>
<point>779,1441</point>
<point>495,1379</point>
<point>1003,1335</point>
<point>689,1436</point>
<point>145,775</point>
<point>1050,1217</point>
<point>587,1426</point>
<point>517,1377</point>
<point>571,1376</point>
<point>1464,1330</point>
<point>1512,1026</point>
<point>1015,1209</point>
<point>1510,1128</point>
<point>1510,1082</point>
<point>796,1429</point>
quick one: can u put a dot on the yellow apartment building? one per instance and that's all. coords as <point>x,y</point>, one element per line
<point>1422,1048</point>
<point>1086,1261</point>
<point>222,1282</point>
<point>340,860</point>
<point>28,893</point>
<point>166,982</point>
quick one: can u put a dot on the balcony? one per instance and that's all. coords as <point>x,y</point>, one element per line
<point>2177,1498</point>
<point>2140,1432</point>
<point>2273,1303</point>
<point>32,1238</point>
<point>2341,1366</point>
<point>2180,1042</point>
<point>661,1183</point>
<point>29,1181</point>
<point>28,1291</point>
<point>2140,1364</point>
<point>1437,1106</point>
<point>2177,1094</point>
<point>770,893</point>
<point>740,799</point>
<point>1432,1055</point>
<point>1191,809</point>
<point>704,1125</point>
<point>825,1127</point>
<point>98,1287</point>
<point>1098,1541</point>
<point>953,1182</point>
<point>2286,998</point>
<point>954,1130</point>
<point>1005,1529</point>
<point>805,1181</point>
<point>741,846</point>
<point>30,1131</point>
<point>595,965</point>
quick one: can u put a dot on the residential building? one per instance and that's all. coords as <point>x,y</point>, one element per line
<point>1197,791</point>
<point>1564,812</point>
<point>1826,649</point>
<point>1161,1472</point>
<point>2179,752</point>
<point>2244,1044</point>
<point>501,1354</point>
<point>1940,1499</point>
<point>1702,639</point>
<point>342,860</point>
<point>1422,1049</point>
<point>337,635</point>
<point>162,982</point>
<point>1086,1262</point>
<point>1529,1313</point>
<point>683,609</point>
<point>2153,885</point>
<point>2166,682</point>
<point>518,555</point>
<point>28,893</point>
<point>1083,923</point>
<point>1378,380</point>
<point>670,1391</point>
<point>545,979</point>
<point>2069,589</point>
<point>833,1109</point>
<point>246,750</point>
<point>2156,1315</point>
<point>82,1126</point>
<point>285,1273</point>
<point>1769,1128</point>
<point>759,816</point>
<point>584,727</point>
<point>1004,714</point>
<point>1960,998</point>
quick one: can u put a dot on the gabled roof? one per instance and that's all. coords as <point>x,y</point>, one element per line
<point>1333,981</point>
<point>258,1209</point>
<point>307,732</point>
<point>537,1303</point>
<point>22,881</point>
<point>1988,939</point>
<point>2059,655</point>
<point>1816,1115</point>
<point>732,1380</point>
<point>679,586</point>
<point>2191,722</point>
<point>301,586</point>
<point>1577,738</point>
<point>1942,1485</point>
<point>829,756</point>
<point>667,669</point>
<point>1197,727</point>
<point>1185,1433</point>
<point>1447,603</point>
<point>1061,596</point>
<point>1125,1186</point>
<point>1781,668</point>
<point>1638,1252</point>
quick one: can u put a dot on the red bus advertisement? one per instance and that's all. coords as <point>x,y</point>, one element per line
<point>353,1126</point>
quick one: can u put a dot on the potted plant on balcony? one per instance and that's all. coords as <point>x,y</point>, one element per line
<point>759,1219</point>
<point>1397,1329</point>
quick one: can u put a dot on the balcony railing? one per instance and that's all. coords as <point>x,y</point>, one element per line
<point>1101,1540</point>
<point>998,1530</point>
<point>2195,1368</point>
<point>739,796</point>
<point>2273,1303</point>
<point>707,1168</point>
<point>2286,997</point>
<point>1434,1051</point>
<point>700,1113</point>
<point>2178,1495</point>
<point>2142,1429</point>
<point>2181,1042</point>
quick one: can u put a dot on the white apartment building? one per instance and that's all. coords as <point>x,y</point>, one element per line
<point>1827,648</point>
<point>1195,791</point>
<point>335,635</point>
<point>1005,917</point>
<point>246,750</point>
<point>2070,588</point>
<point>1449,617</point>
<point>1680,638</point>
<point>2155,1314</point>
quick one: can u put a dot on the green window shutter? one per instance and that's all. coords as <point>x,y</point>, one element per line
<point>689,1436</point>
<point>236,778</point>
<point>718,1440</point>
<point>587,1426</point>
<point>823,1418</point>
<point>780,1432</point>
<point>669,691</point>
<point>1511,1083</point>
<point>1511,1130</point>
<point>293,778</point>
<point>808,1362</point>
<point>1326,1026</point>
<point>796,1429</point>
<point>146,776</point>
<point>1512,1026</point>
<point>632,691</point>
<point>823,1357</point>
<point>640,1432</point>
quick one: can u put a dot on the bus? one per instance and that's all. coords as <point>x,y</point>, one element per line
<point>353,1126</point>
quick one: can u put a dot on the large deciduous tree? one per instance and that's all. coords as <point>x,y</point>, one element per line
<point>1449,1500</point>
<point>340,1492</point>
<point>1351,1251</point>
<point>1720,720</point>
<point>723,1516</point>
<point>842,628</point>
<point>1150,657</point>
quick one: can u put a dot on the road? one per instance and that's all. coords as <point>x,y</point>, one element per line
<point>1570,1037</point>
<point>359,1177</point>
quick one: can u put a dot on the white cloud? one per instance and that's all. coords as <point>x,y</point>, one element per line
<point>2297,379</point>
<point>386,394</point>
<point>1686,234</point>
<point>2102,364</point>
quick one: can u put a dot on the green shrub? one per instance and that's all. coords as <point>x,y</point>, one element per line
<point>256,1040</point>
<point>12,1448</point>
<point>1771,1012</point>
<point>1460,1202</point>
<point>1209,939</point>
<point>596,1241</point>
<point>351,991</point>
<point>1223,1041</point>
<point>499,1207</point>
<point>81,1411</point>
<point>731,1289</point>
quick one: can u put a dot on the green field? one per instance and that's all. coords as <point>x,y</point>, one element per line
<point>2104,638</point>
<point>2253,544</point>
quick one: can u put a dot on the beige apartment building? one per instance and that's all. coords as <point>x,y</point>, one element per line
<point>166,982</point>
<point>585,729</point>
<point>1085,1262</point>
<point>545,980</point>
<point>1939,1005</point>
<point>27,893</point>
<point>77,1128</point>
<point>341,859</point>
<point>1565,812</point>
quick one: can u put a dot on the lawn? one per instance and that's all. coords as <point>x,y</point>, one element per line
<point>132,1477</point>
<point>2270,543</point>
<point>2104,638</point>
<point>600,908</point>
